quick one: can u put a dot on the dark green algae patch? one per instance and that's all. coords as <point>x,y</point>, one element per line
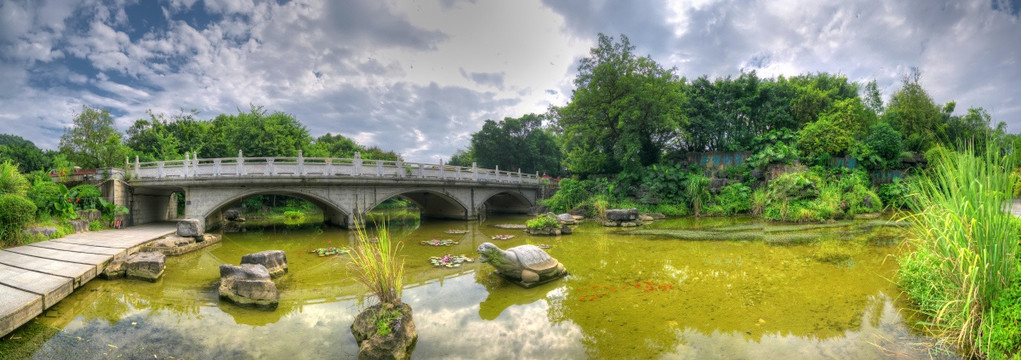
<point>629,295</point>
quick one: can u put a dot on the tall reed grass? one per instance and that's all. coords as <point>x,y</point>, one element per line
<point>965,243</point>
<point>377,265</point>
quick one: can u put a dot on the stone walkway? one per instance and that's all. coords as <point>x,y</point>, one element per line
<point>34,277</point>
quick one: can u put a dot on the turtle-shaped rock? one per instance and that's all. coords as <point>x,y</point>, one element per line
<point>525,265</point>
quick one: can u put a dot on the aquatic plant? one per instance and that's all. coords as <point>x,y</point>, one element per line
<point>377,265</point>
<point>543,221</point>
<point>456,232</point>
<point>330,251</point>
<point>437,242</point>
<point>966,242</point>
<point>503,237</point>
<point>449,261</point>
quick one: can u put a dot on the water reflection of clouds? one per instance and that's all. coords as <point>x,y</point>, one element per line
<point>882,334</point>
<point>454,329</point>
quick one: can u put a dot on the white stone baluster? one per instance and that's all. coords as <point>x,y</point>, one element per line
<point>358,163</point>
<point>400,168</point>
<point>329,166</point>
<point>186,161</point>
<point>159,169</point>
<point>216,167</point>
<point>421,168</point>
<point>137,167</point>
<point>240,164</point>
<point>475,172</point>
<point>441,169</point>
<point>272,169</point>
<point>379,168</point>
<point>519,176</point>
<point>301,164</point>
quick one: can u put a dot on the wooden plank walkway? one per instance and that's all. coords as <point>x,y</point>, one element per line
<point>34,277</point>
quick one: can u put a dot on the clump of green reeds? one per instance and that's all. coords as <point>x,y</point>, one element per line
<point>965,244</point>
<point>377,265</point>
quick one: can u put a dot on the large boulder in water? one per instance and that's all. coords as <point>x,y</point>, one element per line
<point>189,228</point>
<point>248,284</point>
<point>147,266</point>
<point>395,342</point>
<point>621,215</point>
<point>274,260</point>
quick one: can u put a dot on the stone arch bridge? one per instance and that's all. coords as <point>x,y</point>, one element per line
<point>345,189</point>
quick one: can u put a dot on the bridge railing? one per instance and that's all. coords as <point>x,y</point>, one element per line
<point>193,167</point>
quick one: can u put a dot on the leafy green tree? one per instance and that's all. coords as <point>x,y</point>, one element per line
<point>912,113</point>
<point>336,146</point>
<point>873,98</point>
<point>624,111</point>
<point>92,141</point>
<point>152,139</point>
<point>11,180</point>
<point>464,157</point>
<point>823,137</point>
<point>816,93</point>
<point>23,152</point>
<point>256,133</point>
<point>851,115</point>
<point>886,142</point>
<point>516,143</point>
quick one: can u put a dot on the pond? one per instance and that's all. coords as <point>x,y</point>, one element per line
<point>674,291</point>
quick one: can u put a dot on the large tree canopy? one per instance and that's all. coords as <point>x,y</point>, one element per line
<point>22,152</point>
<point>624,112</point>
<point>516,143</point>
<point>256,133</point>
<point>92,141</point>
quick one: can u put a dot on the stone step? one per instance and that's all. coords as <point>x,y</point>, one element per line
<point>52,288</point>
<point>81,273</point>
<point>18,307</point>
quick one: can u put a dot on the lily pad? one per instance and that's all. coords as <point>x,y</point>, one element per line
<point>449,260</point>
<point>503,237</point>
<point>453,231</point>
<point>437,242</point>
<point>330,251</point>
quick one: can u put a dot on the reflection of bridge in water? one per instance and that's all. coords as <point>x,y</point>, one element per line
<point>345,189</point>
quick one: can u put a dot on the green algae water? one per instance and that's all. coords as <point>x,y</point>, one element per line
<point>671,289</point>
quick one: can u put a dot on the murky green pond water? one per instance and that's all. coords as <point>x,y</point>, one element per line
<point>775,292</point>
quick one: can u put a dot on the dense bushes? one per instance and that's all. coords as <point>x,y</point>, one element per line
<point>809,196</point>
<point>86,197</point>
<point>51,199</point>
<point>15,212</point>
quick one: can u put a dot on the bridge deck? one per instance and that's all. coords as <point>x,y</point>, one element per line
<point>34,277</point>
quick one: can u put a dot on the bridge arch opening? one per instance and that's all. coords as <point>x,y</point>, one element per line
<point>430,204</point>
<point>331,213</point>
<point>508,202</point>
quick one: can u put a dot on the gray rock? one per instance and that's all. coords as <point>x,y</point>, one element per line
<point>189,227</point>
<point>275,261</point>
<point>657,216</point>
<point>524,265</point>
<point>233,215</point>
<point>46,231</point>
<point>622,214</point>
<point>89,215</point>
<point>79,225</point>
<point>146,266</point>
<point>248,284</point>
<point>567,219</point>
<point>176,245</point>
<point>113,270</point>
<point>645,218</point>
<point>510,226</point>
<point>398,344</point>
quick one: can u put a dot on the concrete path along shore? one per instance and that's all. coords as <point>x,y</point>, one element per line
<point>34,277</point>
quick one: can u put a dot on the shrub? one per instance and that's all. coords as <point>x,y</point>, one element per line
<point>95,225</point>
<point>965,245</point>
<point>734,198</point>
<point>15,212</point>
<point>1005,333</point>
<point>11,181</point>
<point>758,205</point>
<point>895,194</point>
<point>86,197</point>
<point>543,221</point>
<point>51,199</point>
<point>570,194</point>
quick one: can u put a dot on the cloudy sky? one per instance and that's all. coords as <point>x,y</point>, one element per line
<point>419,77</point>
